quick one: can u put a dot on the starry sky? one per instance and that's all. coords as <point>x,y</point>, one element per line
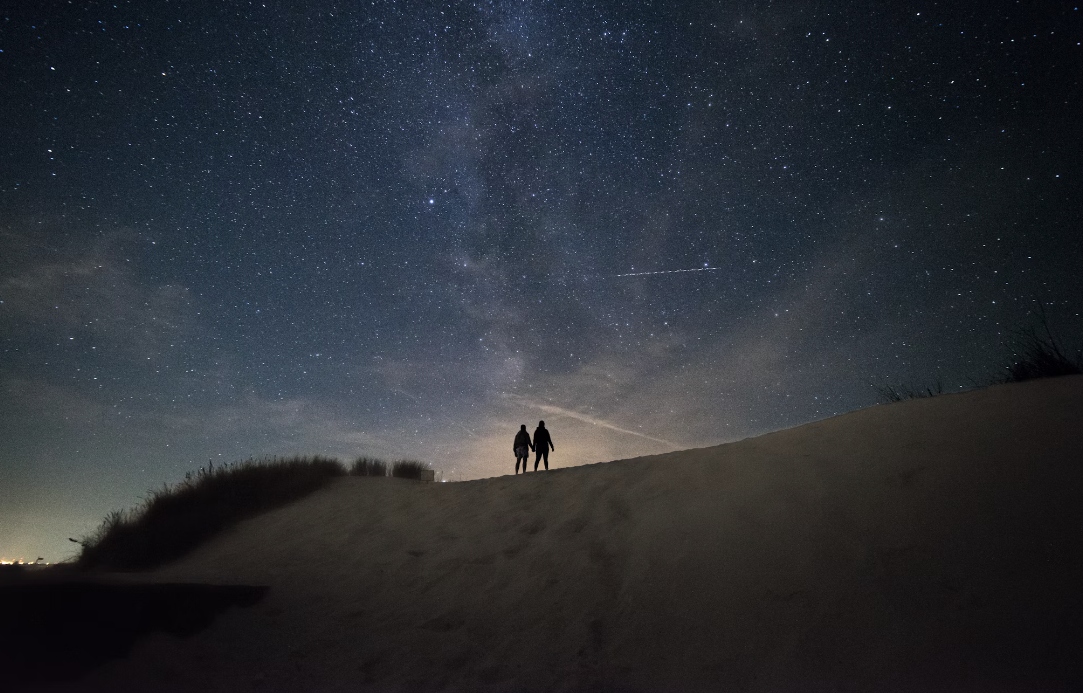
<point>235,229</point>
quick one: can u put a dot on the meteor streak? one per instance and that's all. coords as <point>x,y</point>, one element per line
<point>640,274</point>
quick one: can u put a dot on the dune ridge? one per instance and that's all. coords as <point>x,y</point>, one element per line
<point>925,545</point>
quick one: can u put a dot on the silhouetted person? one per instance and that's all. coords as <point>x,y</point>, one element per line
<point>522,447</point>
<point>542,443</point>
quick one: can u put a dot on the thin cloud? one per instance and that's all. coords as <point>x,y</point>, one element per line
<point>89,288</point>
<point>561,411</point>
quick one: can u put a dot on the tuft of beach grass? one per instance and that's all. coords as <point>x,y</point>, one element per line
<point>173,520</point>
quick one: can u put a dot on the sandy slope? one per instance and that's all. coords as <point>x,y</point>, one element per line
<point>926,545</point>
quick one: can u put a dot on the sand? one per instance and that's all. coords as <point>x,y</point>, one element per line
<point>928,545</point>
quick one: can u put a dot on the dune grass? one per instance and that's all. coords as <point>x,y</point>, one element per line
<point>368,466</point>
<point>408,469</point>
<point>897,393</point>
<point>1037,353</point>
<point>175,519</point>
<point>1034,352</point>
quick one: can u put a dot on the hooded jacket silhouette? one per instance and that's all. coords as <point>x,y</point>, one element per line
<point>542,443</point>
<point>542,440</point>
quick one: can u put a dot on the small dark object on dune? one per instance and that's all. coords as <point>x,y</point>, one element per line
<point>408,469</point>
<point>368,466</point>
<point>173,520</point>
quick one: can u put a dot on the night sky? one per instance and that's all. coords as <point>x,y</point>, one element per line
<point>401,229</point>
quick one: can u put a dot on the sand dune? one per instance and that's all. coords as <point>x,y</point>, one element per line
<point>922,546</point>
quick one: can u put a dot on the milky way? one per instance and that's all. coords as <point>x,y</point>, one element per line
<point>396,229</point>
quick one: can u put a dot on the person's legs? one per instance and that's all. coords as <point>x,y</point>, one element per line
<point>537,459</point>
<point>545,458</point>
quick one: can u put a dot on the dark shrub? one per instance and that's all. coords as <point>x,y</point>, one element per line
<point>367,466</point>
<point>408,469</point>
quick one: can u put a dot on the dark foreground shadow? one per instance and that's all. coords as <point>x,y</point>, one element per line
<point>57,631</point>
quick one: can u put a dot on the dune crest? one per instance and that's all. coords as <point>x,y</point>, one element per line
<point>925,545</point>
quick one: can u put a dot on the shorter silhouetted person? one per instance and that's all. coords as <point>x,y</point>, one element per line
<point>522,447</point>
<point>542,444</point>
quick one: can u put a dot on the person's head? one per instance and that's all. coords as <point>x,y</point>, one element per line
<point>522,427</point>
<point>541,424</point>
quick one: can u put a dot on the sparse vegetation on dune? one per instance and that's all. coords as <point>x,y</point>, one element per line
<point>897,393</point>
<point>174,519</point>
<point>1035,352</point>
<point>408,469</point>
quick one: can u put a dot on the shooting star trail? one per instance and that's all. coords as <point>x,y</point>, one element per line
<point>641,274</point>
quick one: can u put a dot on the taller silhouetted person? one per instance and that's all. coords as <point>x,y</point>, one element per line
<point>522,447</point>
<point>542,443</point>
